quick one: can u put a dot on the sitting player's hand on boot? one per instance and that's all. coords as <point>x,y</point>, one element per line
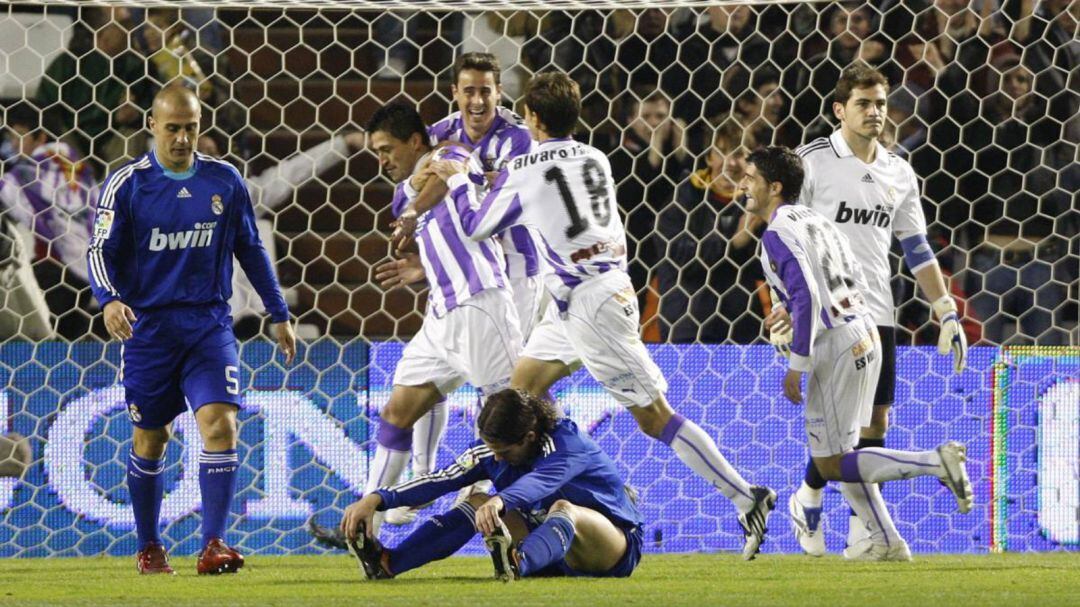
<point>362,511</point>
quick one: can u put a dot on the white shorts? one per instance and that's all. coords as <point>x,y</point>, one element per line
<point>840,389</point>
<point>479,341</point>
<point>601,327</point>
<point>530,298</point>
<point>548,341</point>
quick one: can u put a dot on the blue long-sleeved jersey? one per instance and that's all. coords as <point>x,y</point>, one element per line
<point>570,466</point>
<point>163,239</point>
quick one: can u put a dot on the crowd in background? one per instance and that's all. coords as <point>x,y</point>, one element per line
<point>983,104</point>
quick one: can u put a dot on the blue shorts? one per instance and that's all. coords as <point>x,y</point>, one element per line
<point>176,354</point>
<point>635,539</point>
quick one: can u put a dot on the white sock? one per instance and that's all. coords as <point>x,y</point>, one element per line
<point>427,434</point>
<point>866,501</point>
<point>386,468</point>
<point>808,496</point>
<point>698,451</point>
<point>878,464</point>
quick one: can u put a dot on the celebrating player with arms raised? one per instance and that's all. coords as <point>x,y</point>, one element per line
<point>562,191</point>
<point>165,230</point>
<point>810,264</point>
<point>870,195</point>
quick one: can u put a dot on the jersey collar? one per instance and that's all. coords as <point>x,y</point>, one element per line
<point>843,150</point>
<point>557,140</point>
<point>173,174</point>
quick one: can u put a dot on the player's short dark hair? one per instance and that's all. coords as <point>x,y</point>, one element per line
<point>780,164</point>
<point>508,415</point>
<point>858,75</point>
<point>481,62</point>
<point>556,101</point>
<point>398,119</point>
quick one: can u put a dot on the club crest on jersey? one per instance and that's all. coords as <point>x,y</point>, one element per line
<point>215,204</point>
<point>103,223</point>
<point>134,413</point>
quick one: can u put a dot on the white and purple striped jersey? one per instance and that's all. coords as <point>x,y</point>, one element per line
<point>507,138</point>
<point>869,203</point>
<point>456,266</point>
<point>53,193</point>
<point>564,193</point>
<point>808,261</point>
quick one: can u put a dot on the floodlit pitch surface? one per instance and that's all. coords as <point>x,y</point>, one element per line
<point>694,579</point>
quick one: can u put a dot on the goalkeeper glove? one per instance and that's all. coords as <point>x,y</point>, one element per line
<point>951,336</point>
<point>780,338</point>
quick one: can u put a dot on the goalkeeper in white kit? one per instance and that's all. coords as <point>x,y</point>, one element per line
<point>870,195</point>
<point>835,344</point>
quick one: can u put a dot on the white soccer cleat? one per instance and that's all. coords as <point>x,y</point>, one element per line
<point>755,521</point>
<point>897,551</point>
<point>953,456</point>
<point>807,525</point>
<point>402,515</point>
<point>858,538</point>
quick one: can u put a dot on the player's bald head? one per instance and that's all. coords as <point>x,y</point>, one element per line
<point>175,98</point>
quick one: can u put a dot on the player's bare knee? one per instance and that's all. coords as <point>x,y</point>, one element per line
<point>654,418</point>
<point>829,467</point>
<point>150,443</point>
<point>879,423</point>
<point>562,506</point>
<point>478,499</point>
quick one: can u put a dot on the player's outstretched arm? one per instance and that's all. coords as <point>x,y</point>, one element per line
<point>118,319</point>
<point>400,272</point>
<point>286,339</point>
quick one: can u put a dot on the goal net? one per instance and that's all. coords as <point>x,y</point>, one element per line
<point>983,104</point>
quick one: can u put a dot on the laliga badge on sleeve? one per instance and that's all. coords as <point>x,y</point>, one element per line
<point>103,223</point>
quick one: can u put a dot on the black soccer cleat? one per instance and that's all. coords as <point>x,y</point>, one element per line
<point>755,522</point>
<point>369,551</point>
<point>331,537</point>
<point>503,554</point>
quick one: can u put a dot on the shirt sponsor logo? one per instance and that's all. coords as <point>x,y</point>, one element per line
<point>200,237</point>
<point>877,217</point>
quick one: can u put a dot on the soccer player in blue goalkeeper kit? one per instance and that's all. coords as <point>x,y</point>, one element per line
<point>165,229</point>
<point>560,508</point>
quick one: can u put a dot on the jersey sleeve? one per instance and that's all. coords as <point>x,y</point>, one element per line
<point>253,258</point>
<point>791,266</point>
<point>562,460</point>
<point>469,468</point>
<point>109,232</point>
<point>499,210</point>
<point>806,193</point>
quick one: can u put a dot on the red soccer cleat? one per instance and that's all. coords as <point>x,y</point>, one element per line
<point>217,558</point>
<point>153,559</point>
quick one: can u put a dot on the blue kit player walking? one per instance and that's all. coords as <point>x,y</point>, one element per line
<point>560,508</point>
<point>165,230</point>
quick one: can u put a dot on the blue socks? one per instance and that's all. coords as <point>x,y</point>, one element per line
<point>146,487</point>
<point>217,481</point>
<point>548,544</point>
<point>436,539</point>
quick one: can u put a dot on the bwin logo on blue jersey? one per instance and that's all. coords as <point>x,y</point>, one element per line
<point>188,239</point>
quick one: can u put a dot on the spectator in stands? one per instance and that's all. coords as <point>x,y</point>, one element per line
<point>707,285</point>
<point>648,161</point>
<point>48,191</point>
<point>762,110</point>
<point>87,84</point>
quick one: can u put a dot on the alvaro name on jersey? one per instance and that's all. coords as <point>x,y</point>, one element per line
<point>868,203</point>
<point>564,193</point>
<point>163,239</point>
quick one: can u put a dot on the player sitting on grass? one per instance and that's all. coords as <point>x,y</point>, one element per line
<point>560,508</point>
<point>809,263</point>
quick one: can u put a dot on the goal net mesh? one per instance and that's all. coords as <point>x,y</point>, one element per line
<point>983,104</point>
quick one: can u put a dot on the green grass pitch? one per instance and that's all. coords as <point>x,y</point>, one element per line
<point>695,579</point>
